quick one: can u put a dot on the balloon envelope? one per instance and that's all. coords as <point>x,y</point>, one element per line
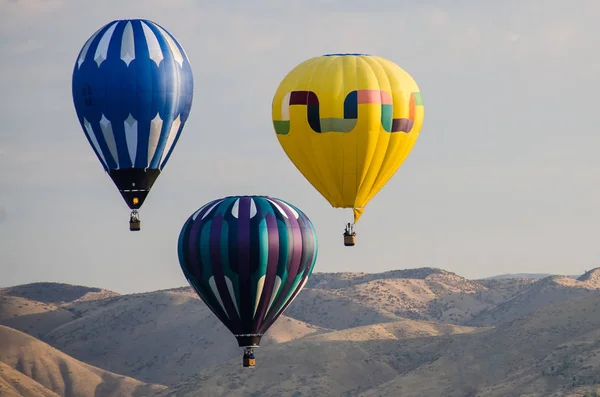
<point>132,90</point>
<point>248,257</point>
<point>347,122</point>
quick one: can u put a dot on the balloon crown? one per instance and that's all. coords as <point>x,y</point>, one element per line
<point>346,55</point>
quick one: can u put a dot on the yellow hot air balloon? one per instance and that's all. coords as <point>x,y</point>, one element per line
<point>347,122</point>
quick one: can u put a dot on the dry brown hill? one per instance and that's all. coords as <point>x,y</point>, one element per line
<point>332,364</point>
<point>392,326</point>
<point>57,293</point>
<point>547,291</point>
<point>162,337</point>
<point>60,373</point>
<point>552,352</point>
<point>32,317</point>
<point>420,294</point>
<point>15,384</point>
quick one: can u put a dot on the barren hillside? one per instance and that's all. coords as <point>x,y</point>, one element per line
<point>553,352</point>
<point>419,294</point>
<point>57,293</point>
<point>32,317</point>
<point>58,372</point>
<point>333,364</point>
<point>160,337</point>
<point>547,291</point>
<point>15,384</point>
<point>346,334</point>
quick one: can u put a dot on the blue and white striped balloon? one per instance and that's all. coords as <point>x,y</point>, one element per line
<point>132,90</point>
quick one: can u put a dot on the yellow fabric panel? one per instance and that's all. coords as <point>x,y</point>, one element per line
<point>357,213</point>
<point>400,144</point>
<point>351,158</point>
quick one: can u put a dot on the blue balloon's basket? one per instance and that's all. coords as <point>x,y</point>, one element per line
<point>134,221</point>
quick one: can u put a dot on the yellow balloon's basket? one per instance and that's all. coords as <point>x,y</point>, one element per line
<point>349,241</point>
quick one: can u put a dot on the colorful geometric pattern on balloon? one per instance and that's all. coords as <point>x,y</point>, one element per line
<point>248,257</point>
<point>132,90</point>
<point>351,102</point>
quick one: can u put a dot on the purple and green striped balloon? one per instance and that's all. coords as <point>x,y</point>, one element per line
<point>248,257</point>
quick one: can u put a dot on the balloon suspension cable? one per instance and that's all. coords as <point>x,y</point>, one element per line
<point>135,216</point>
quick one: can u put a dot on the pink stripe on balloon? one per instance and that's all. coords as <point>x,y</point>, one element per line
<point>374,96</point>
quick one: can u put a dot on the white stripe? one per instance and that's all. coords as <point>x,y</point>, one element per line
<point>278,207</point>
<point>211,208</point>
<point>215,290</point>
<point>201,208</point>
<point>253,210</point>
<point>292,210</point>
<point>174,49</point>
<point>102,49</point>
<point>232,294</point>
<point>92,136</point>
<point>170,140</point>
<point>285,107</point>
<point>86,47</point>
<point>131,135</point>
<point>273,293</point>
<point>153,46</point>
<point>259,289</point>
<point>235,210</point>
<point>128,44</point>
<point>155,129</point>
<point>109,137</point>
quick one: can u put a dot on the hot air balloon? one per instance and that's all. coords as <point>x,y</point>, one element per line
<point>247,257</point>
<point>347,122</point>
<point>132,90</point>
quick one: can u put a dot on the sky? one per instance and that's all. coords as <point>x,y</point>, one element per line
<point>504,178</point>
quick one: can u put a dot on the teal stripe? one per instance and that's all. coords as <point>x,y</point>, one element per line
<point>263,258</point>
<point>205,252</point>
<point>224,250</point>
<point>263,249</point>
<point>387,117</point>
<point>292,289</point>
<point>202,291</point>
<point>265,206</point>
<point>224,205</point>
<point>284,244</point>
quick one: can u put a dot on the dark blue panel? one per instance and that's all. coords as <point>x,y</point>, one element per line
<point>351,105</point>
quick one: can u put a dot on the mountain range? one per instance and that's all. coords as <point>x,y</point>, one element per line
<point>413,332</point>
